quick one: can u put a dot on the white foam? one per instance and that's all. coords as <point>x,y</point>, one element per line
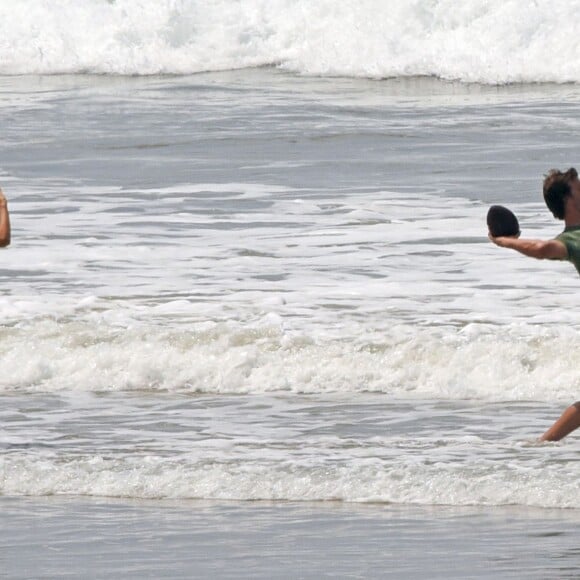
<point>405,480</point>
<point>477,41</point>
<point>481,362</point>
<point>343,300</point>
<point>424,260</point>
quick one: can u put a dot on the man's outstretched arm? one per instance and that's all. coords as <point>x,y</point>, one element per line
<point>540,249</point>
<point>4,222</point>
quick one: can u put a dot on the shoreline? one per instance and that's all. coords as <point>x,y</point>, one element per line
<point>189,538</point>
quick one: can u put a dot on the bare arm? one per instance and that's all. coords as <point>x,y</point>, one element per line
<point>4,222</point>
<point>540,249</point>
<point>569,420</point>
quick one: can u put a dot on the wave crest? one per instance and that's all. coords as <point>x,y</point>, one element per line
<point>489,42</point>
<point>495,363</point>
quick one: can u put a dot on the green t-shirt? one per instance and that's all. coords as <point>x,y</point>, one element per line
<point>570,237</point>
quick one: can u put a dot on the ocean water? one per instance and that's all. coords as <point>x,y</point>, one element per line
<point>486,42</point>
<point>250,264</point>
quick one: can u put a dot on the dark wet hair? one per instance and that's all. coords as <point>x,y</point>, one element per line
<point>557,188</point>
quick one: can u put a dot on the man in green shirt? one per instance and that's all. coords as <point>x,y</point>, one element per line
<point>562,196</point>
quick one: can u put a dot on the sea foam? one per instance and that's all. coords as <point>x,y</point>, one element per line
<point>478,362</point>
<point>490,42</point>
<point>404,480</point>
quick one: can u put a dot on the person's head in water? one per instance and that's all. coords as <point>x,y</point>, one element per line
<point>559,187</point>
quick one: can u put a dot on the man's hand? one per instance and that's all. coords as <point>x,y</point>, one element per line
<point>3,200</point>
<point>502,241</point>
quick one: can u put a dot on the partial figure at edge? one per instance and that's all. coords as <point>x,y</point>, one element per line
<point>562,196</point>
<point>4,221</point>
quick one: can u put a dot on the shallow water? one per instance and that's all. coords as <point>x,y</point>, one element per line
<point>73,538</point>
<point>259,234</point>
<point>258,447</point>
<point>257,286</point>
